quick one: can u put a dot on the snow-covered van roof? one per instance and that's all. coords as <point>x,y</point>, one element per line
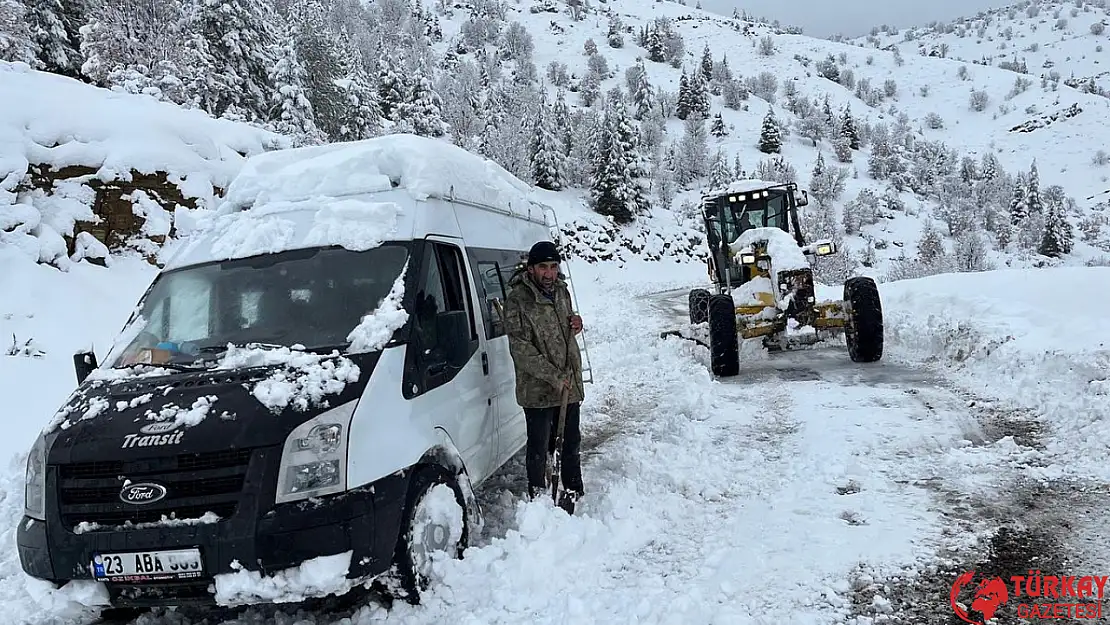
<point>743,186</point>
<point>422,166</point>
<point>358,194</point>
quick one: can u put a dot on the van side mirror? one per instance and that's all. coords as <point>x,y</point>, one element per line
<point>84,363</point>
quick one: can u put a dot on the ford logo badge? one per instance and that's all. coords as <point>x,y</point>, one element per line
<point>142,494</point>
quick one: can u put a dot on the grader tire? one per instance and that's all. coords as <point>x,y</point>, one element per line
<point>864,331</point>
<point>699,306</point>
<point>724,343</point>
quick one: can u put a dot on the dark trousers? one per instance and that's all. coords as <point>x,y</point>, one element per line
<point>542,425</point>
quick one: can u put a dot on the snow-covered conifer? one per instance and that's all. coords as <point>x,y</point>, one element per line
<point>547,158</point>
<point>1059,235</point>
<point>16,43</point>
<point>236,54</point>
<point>54,28</point>
<point>848,129</point>
<point>719,172</point>
<point>706,64</point>
<point>718,129</point>
<point>290,110</point>
<point>770,139</point>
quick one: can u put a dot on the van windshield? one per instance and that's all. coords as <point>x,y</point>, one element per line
<point>313,297</point>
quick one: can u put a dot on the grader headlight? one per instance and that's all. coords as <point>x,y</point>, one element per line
<point>825,249</point>
<point>747,259</point>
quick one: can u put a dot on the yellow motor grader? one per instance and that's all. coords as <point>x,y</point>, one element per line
<point>762,282</point>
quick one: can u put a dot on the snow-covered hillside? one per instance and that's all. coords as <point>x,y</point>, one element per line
<point>1042,39</point>
<point>922,101</point>
<point>69,151</point>
<point>923,180</point>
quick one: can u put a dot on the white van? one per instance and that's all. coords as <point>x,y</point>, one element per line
<point>294,384</point>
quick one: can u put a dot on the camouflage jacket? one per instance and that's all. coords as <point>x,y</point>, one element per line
<point>542,345</point>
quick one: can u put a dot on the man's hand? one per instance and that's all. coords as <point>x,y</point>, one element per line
<point>576,323</point>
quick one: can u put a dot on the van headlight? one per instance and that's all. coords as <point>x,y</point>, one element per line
<point>34,497</point>
<point>314,459</point>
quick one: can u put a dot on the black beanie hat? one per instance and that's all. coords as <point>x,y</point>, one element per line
<point>543,252</point>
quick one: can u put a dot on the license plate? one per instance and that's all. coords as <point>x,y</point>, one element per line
<point>148,566</point>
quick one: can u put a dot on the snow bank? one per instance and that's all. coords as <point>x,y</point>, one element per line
<point>423,166</point>
<point>56,121</point>
<point>1036,337</point>
<point>318,577</point>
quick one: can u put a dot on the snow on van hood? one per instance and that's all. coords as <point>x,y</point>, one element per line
<point>293,378</point>
<point>302,379</point>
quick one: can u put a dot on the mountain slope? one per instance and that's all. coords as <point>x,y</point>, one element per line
<point>1057,127</point>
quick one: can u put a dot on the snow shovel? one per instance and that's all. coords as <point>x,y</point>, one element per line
<point>555,473</point>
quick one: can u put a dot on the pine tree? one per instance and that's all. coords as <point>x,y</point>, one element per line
<point>290,109</point>
<point>738,168</point>
<point>234,51</point>
<point>770,140</point>
<point>685,103</point>
<point>53,26</point>
<point>1033,203</point>
<point>643,97</point>
<point>655,46</point>
<point>706,65</point>
<point>1058,238</point>
<point>818,167</point>
<point>421,112</point>
<point>930,248</point>
<point>721,74</point>
<point>629,136</point>
<point>693,151</point>
<point>699,95</point>
<point>719,173</point>
<point>848,129</point>
<point>16,43</point>
<point>1019,210</point>
<point>392,86</point>
<point>546,155</point>
<point>561,122</point>
<point>610,186</point>
<point>718,129</point>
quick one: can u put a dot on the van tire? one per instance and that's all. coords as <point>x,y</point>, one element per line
<point>411,560</point>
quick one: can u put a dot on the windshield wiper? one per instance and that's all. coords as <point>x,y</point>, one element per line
<point>216,349</point>
<point>166,365</point>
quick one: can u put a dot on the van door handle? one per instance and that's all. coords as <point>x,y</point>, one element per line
<point>485,364</point>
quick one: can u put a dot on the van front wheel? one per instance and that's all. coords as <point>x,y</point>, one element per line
<point>434,525</point>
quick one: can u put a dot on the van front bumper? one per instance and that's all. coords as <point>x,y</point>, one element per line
<point>262,538</point>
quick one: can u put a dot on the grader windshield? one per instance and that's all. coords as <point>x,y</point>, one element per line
<point>728,214</point>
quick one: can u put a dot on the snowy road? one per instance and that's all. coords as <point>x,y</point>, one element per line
<point>771,497</point>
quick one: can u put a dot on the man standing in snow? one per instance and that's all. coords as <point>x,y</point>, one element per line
<point>541,324</point>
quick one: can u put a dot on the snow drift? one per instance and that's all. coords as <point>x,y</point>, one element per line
<point>58,122</point>
<point>1035,337</point>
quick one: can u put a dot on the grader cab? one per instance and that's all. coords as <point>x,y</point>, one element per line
<point>762,280</point>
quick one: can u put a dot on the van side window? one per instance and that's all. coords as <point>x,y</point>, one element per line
<point>494,294</point>
<point>445,335</point>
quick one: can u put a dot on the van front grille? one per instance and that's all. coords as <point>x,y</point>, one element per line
<point>89,492</point>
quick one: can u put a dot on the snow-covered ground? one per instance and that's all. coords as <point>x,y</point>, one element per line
<point>748,500</point>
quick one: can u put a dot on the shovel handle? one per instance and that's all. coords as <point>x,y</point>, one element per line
<point>559,445</point>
